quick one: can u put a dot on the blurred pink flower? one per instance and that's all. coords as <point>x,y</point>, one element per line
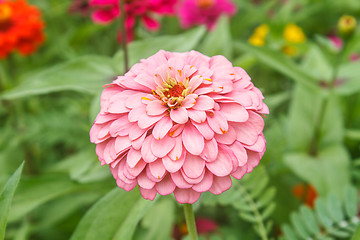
<point>198,12</point>
<point>336,41</point>
<point>105,11</point>
<point>354,57</point>
<point>180,123</point>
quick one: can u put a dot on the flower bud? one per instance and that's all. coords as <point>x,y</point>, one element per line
<point>346,25</point>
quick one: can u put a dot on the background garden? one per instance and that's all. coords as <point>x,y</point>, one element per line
<point>304,55</point>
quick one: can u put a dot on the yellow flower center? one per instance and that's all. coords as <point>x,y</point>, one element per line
<point>172,92</point>
<point>205,3</point>
<point>5,16</point>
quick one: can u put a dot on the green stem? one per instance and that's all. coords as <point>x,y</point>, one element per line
<point>124,36</point>
<point>324,104</point>
<point>190,221</point>
<point>4,79</point>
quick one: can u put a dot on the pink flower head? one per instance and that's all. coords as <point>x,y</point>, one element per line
<point>180,123</point>
<point>336,41</point>
<point>199,12</point>
<point>108,10</point>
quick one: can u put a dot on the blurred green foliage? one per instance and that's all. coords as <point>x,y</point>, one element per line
<point>312,132</point>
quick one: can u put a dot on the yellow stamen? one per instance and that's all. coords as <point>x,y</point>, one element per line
<point>223,131</point>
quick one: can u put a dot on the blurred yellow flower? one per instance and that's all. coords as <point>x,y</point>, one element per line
<point>294,34</point>
<point>259,35</point>
<point>347,24</point>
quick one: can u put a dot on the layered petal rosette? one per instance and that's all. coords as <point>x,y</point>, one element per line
<point>180,123</point>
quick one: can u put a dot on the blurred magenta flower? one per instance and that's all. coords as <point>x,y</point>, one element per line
<point>204,12</point>
<point>336,41</point>
<point>105,11</point>
<point>180,123</point>
<point>21,28</point>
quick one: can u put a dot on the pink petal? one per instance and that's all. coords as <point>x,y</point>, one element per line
<point>240,152</point>
<point>136,132</point>
<point>217,122</point>
<point>162,127</point>
<point>227,138</point>
<point>179,180</point>
<point>186,195</point>
<point>148,194</point>
<point>195,82</point>
<point>146,152</point>
<point>156,107</point>
<point>144,181</point>
<point>257,121</point>
<point>204,103</point>
<point>145,80</point>
<point>134,100</point>
<point>245,133</point>
<point>193,166</point>
<point>166,186</point>
<point>188,102</point>
<point>176,130</point>
<point>176,152</point>
<point>197,116</point>
<point>146,121</point>
<point>120,127</point>
<point>153,178</point>
<point>234,112</point>
<point>121,144</point>
<point>259,145</point>
<point>173,165</point>
<point>192,139</point>
<point>179,115</point>
<point>220,184</point>
<point>205,184</point>
<point>157,169</point>
<point>222,166</point>
<point>137,143</point>
<point>136,112</point>
<point>240,172</point>
<point>135,171</point>
<point>110,147</point>
<point>210,151</point>
<point>125,186</point>
<point>253,160</point>
<point>205,130</point>
<point>104,118</point>
<point>193,180</point>
<point>150,23</point>
<point>162,147</point>
<point>120,173</point>
<point>133,157</point>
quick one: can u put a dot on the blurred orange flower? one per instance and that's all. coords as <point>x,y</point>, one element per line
<point>21,28</point>
<point>306,193</point>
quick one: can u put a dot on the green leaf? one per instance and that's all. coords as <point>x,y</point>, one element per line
<point>147,47</point>
<point>106,218</point>
<point>289,233</point>
<point>216,39</point>
<point>328,172</point>
<point>279,62</point>
<point>350,201</point>
<point>269,209</point>
<point>335,208</point>
<point>322,213</point>
<point>309,219</point>
<point>85,74</point>
<point>159,220</point>
<point>299,226</point>
<point>136,213</point>
<point>356,235</point>
<point>266,197</point>
<point>349,74</point>
<point>248,217</point>
<point>35,191</point>
<point>6,197</point>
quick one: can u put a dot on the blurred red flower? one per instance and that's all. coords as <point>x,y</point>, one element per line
<point>203,226</point>
<point>21,28</point>
<point>105,11</point>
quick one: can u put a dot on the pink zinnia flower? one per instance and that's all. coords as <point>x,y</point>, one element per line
<point>204,12</point>
<point>108,10</point>
<point>180,123</point>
